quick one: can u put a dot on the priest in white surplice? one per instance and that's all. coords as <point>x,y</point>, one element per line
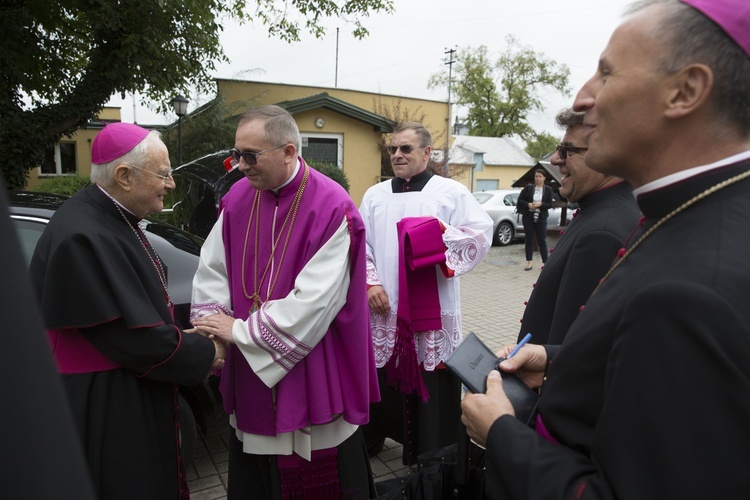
<point>467,235</point>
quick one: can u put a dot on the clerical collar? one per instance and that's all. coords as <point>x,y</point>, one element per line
<point>416,183</point>
<point>690,172</point>
<point>117,202</point>
<point>594,196</point>
<point>290,179</point>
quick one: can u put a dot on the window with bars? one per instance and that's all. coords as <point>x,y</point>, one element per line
<point>60,160</point>
<point>322,150</point>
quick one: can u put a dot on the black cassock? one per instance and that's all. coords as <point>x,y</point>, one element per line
<point>649,394</point>
<point>582,256</point>
<point>91,273</point>
<point>43,459</point>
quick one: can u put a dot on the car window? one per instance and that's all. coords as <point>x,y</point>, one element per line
<point>178,238</point>
<point>482,197</point>
<point>29,233</point>
<point>510,200</point>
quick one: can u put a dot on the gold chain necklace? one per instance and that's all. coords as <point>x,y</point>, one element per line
<point>691,201</point>
<point>155,260</point>
<point>291,216</point>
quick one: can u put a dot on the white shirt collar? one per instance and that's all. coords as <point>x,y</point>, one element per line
<point>294,174</point>
<point>690,172</point>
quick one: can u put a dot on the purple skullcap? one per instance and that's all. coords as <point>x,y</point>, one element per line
<point>732,15</point>
<point>115,140</point>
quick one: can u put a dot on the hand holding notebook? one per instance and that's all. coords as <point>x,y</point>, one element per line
<point>473,361</point>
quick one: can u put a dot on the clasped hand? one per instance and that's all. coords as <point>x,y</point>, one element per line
<point>218,328</point>
<point>481,410</point>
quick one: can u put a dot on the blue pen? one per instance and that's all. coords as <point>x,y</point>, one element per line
<point>520,345</point>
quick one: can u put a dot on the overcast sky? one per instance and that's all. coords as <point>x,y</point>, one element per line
<point>406,47</point>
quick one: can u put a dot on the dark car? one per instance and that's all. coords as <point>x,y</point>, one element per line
<point>200,185</point>
<point>179,250</point>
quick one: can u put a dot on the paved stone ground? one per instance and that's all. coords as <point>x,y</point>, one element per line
<point>492,302</point>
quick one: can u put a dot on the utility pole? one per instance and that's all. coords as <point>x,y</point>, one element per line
<point>450,62</point>
<point>336,79</point>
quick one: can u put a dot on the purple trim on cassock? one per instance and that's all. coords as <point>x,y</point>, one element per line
<point>541,429</point>
<point>338,376</point>
<point>275,342</point>
<point>74,354</point>
<point>216,308</point>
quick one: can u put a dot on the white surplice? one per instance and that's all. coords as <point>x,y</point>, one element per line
<point>467,237</point>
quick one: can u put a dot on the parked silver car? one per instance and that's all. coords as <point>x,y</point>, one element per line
<point>500,204</point>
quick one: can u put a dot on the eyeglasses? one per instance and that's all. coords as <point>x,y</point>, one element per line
<point>563,150</point>
<point>250,157</point>
<point>405,148</point>
<point>164,177</point>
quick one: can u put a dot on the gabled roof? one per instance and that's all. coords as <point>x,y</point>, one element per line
<point>497,151</point>
<point>553,179</point>
<point>323,100</point>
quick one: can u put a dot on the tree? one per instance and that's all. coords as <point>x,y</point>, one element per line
<point>500,95</point>
<point>208,129</point>
<point>543,144</point>
<point>62,63</point>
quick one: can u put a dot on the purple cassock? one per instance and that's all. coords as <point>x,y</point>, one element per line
<point>335,377</point>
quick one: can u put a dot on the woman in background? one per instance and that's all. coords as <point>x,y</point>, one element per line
<point>533,204</point>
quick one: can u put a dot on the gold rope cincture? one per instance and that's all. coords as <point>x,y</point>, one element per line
<point>691,201</point>
<point>291,216</point>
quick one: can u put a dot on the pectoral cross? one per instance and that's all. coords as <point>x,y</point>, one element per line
<point>257,301</point>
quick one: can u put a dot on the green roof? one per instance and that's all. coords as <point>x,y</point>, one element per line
<point>323,100</point>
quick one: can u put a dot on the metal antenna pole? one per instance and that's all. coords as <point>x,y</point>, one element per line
<point>450,62</point>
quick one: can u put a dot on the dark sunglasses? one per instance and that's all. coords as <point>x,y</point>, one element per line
<point>405,148</point>
<point>564,150</point>
<point>250,157</point>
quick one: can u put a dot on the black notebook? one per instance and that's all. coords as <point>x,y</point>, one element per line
<point>473,361</point>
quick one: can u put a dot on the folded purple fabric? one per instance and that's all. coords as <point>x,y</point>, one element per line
<point>421,247</point>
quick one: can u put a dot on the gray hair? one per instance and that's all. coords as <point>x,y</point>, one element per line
<point>280,127</point>
<point>425,138</point>
<point>567,118</point>
<point>690,37</point>
<point>104,173</point>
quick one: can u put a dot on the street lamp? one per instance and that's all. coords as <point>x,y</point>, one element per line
<point>179,104</point>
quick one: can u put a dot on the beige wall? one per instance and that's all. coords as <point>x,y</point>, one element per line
<point>361,157</point>
<point>271,93</point>
<point>505,175</point>
<point>83,138</point>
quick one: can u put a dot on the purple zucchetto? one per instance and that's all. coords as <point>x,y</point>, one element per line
<point>733,16</point>
<point>115,140</point>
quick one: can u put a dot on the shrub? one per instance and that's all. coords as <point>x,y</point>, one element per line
<point>333,172</point>
<point>64,184</point>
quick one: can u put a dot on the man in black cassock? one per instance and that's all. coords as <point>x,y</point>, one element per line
<point>104,297</point>
<point>649,394</point>
<point>606,216</point>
